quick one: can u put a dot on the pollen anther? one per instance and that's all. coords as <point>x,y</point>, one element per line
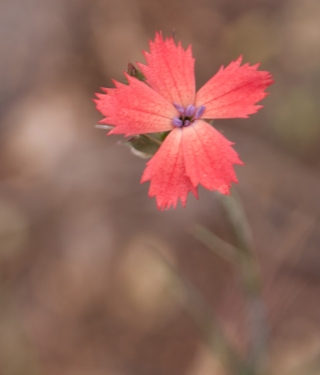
<point>187,115</point>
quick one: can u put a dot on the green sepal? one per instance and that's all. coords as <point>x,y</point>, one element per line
<point>145,146</point>
<point>135,72</point>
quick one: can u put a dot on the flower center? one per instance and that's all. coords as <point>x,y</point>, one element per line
<point>187,115</point>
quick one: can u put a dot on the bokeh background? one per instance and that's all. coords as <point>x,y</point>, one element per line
<point>80,291</point>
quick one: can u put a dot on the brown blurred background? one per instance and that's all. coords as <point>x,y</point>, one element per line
<point>80,291</point>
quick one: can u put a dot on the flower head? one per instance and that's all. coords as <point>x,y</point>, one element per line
<point>193,152</point>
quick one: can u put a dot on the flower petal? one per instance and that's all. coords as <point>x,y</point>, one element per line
<point>170,70</point>
<point>135,108</point>
<point>209,157</point>
<point>167,173</point>
<point>233,91</point>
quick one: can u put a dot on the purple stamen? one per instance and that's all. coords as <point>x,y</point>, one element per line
<point>177,122</point>
<point>187,115</point>
<point>199,112</point>
<point>179,108</point>
<point>186,122</point>
<point>189,112</point>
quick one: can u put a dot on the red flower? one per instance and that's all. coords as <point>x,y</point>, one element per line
<point>194,152</point>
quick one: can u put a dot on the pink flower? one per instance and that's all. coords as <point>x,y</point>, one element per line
<point>194,152</point>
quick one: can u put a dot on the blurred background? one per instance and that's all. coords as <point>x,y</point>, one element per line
<point>80,290</point>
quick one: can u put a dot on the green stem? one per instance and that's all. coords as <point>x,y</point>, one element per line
<point>251,280</point>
